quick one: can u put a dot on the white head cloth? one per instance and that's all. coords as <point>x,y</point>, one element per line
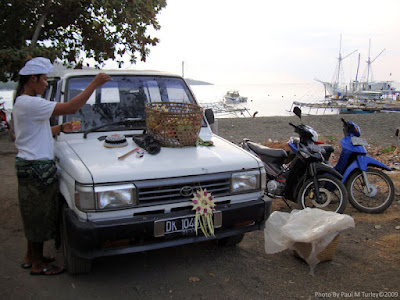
<point>37,65</point>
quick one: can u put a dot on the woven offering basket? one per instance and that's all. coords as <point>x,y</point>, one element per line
<point>174,124</point>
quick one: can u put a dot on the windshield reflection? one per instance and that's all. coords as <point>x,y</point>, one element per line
<point>124,97</point>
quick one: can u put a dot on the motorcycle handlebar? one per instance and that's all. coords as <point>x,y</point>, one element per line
<point>346,127</point>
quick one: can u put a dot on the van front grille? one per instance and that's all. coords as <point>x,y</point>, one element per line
<point>171,190</point>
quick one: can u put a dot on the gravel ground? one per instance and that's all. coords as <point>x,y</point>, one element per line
<point>366,263</point>
<point>377,128</point>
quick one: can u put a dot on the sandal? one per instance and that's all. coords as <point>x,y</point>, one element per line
<point>44,259</point>
<point>47,269</point>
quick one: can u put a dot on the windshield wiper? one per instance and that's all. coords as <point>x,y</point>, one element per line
<point>123,122</point>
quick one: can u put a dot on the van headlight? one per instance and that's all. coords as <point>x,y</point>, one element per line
<point>245,181</point>
<point>105,197</point>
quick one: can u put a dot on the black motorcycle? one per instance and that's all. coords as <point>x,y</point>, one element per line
<point>305,179</point>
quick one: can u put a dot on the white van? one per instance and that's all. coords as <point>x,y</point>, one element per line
<point>142,202</point>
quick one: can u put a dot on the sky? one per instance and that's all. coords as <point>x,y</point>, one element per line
<point>270,41</point>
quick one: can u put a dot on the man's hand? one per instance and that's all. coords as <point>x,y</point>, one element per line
<point>100,79</point>
<point>67,127</point>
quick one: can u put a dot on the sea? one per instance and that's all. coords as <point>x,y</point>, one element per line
<point>263,99</point>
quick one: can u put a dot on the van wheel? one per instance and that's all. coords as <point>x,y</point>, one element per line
<point>230,241</point>
<point>73,263</point>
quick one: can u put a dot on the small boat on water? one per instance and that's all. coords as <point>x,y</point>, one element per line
<point>233,96</point>
<point>358,110</point>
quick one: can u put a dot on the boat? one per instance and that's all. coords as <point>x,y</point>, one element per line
<point>356,107</point>
<point>353,111</point>
<point>365,89</point>
<point>365,96</point>
<point>233,96</point>
<point>222,108</point>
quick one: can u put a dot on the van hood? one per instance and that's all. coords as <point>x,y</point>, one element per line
<point>88,161</point>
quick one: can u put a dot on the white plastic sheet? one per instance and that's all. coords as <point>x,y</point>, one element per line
<point>310,225</point>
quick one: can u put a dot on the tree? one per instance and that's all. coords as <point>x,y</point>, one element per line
<point>66,29</point>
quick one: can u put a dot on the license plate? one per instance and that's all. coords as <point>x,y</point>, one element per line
<point>182,225</point>
<point>357,141</point>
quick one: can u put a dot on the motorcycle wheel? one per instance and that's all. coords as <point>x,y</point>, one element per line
<point>375,201</point>
<point>333,194</point>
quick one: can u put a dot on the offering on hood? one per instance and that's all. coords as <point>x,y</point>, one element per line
<point>115,141</point>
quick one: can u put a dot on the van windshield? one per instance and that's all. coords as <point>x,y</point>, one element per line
<point>124,98</point>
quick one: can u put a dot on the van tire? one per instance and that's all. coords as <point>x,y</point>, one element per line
<point>73,263</point>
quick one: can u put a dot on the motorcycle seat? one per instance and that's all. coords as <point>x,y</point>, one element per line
<point>328,151</point>
<point>264,150</point>
<point>327,148</point>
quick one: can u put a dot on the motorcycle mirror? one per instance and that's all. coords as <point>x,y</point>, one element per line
<point>209,116</point>
<point>297,111</point>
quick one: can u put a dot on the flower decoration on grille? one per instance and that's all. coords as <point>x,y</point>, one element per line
<point>204,206</point>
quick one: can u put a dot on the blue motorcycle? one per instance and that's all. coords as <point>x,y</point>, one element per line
<point>370,189</point>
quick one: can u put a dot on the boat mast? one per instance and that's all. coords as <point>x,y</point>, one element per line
<point>358,66</point>
<point>355,82</point>
<point>339,64</point>
<point>337,80</point>
<point>369,62</point>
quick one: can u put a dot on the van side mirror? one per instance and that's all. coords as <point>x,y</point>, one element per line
<point>209,114</point>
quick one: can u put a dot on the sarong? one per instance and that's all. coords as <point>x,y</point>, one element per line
<point>38,195</point>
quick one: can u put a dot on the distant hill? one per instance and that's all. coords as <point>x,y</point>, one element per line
<point>197,82</point>
<point>59,69</point>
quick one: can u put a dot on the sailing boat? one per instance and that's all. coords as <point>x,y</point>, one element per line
<point>370,89</point>
<point>367,89</point>
<point>336,89</point>
<point>365,96</point>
